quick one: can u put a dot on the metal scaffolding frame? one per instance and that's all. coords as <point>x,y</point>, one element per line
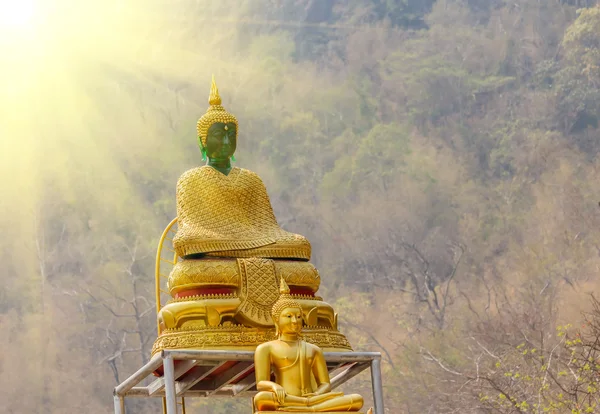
<point>197,373</point>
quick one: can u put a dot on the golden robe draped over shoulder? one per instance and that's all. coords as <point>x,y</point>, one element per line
<point>230,216</point>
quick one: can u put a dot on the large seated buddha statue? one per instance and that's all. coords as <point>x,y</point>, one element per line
<point>232,255</point>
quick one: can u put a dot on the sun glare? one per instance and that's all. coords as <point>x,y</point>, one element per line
<point>16,14</point>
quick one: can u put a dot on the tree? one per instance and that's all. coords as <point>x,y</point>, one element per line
<point>577,85</point>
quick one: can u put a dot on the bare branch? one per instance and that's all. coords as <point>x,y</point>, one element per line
<point>441,365</point>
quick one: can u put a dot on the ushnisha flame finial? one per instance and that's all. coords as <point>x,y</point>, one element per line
<point>284,289</point>
<point>214,98</point>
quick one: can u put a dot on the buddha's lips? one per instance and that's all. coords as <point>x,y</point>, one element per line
<point>303,291</point>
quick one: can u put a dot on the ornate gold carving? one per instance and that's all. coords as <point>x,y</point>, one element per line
<point>299,274</point>
<point>214,113</point>
<point>203,297</point>
<point>190,274</point>
<point>178,311</point>
<point>238,336</point>
<point>274,251</point>
<point>306,297</point>
<point>312,316</point>
<point>197,310</point>
<point>258,290</point>
<point>230,216</point>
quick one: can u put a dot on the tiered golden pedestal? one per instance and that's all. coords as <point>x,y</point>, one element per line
<point>220,303</point>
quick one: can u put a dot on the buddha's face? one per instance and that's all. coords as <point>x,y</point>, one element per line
<point>290,321</point>
<point>221,141</point>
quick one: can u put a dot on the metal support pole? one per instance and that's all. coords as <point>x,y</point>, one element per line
<point>377,385</point>
<point>119,404</point>
<point>141,373</point>
<point>171,397</point>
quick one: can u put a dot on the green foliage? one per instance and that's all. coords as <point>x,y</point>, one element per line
<point>577,86</point>
<point>408,14</point>
<point>374,161</point>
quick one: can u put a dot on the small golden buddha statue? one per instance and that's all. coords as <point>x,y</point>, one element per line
<point>301,375</point>
<point>232,254</point>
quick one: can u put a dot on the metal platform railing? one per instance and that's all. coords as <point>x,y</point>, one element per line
<point>196,373</point>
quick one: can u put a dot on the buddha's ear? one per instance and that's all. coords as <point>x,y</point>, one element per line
<point>202,149</point>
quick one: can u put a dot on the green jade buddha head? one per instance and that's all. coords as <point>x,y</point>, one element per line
<point>221,142</point>
<point>217,133</point>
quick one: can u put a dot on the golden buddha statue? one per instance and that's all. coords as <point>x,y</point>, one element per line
<point>224,211</point>
<point>232,254</point>
<point>301,376</point>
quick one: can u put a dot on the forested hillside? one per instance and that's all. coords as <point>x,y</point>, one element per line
<point>441,157</point>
